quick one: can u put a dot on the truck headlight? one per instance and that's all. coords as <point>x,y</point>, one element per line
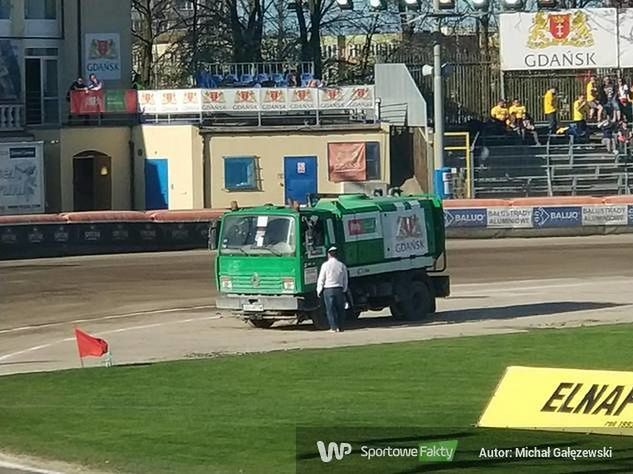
<point>288,283</point>
<point>226,283</point>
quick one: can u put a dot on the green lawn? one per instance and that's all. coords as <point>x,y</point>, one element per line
<point>239,413</point>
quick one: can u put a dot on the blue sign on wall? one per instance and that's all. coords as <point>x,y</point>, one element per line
<point>568,216</point>
<point>465,217</point>
<point>630,214</point>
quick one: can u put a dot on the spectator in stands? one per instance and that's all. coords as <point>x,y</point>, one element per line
<point>137,82</point>
<point>78,85</point>
<point>591,94</point>
<point>550,106</point>
<point>293,79</point>
<point>623,137</point>
<point>528,127</point>
<point>607,96</point>
<point>579,114</point>
<point>624,102</point>
<point>517,109</point>
<point>608,128</point>
<point>94,84</point>
<point>500,113</point>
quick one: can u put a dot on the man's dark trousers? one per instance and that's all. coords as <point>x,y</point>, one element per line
<point>334,306</point>
<point>552,122</point>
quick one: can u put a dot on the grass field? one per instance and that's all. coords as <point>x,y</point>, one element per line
<point>239,413</point>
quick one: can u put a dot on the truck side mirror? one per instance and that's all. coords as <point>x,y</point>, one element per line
<point>213,236</point>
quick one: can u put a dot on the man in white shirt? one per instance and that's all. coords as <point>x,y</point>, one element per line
<point>332,283</point>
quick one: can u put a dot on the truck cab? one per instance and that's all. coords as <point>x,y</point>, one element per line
<point>268,259</point>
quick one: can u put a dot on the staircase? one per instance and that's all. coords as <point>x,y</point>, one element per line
<point>505,167</point>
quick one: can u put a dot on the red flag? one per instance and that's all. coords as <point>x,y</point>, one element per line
<point>89,345</point>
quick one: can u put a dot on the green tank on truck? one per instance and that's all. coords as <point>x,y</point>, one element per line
<point>268,257</point>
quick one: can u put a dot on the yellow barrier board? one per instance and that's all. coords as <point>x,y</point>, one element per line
<point>587,401</point>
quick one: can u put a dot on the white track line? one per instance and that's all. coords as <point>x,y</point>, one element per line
<point>101,333</point>
<point>105,318</point>
<point>29,469</point>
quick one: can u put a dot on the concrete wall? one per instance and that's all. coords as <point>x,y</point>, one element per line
<point>182,146</point>
<point>270,148</point>
<point>111,141</point>
<point>52,167</point>
<point>97,16</point>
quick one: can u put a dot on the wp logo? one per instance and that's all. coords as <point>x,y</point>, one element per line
<point>333,450</point>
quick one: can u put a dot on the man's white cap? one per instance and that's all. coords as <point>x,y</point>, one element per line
<point>332,249</point>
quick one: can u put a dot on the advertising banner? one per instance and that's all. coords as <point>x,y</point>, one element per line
<point>303,99</point>
<point>587,401</point>
<point>85,102</point>
<point>361,226</point>
<point>405,233</point>
<point>274,99</point>
<point>121,101</point>
<point>567,216</point>
<point>189,100</point>
<point>148,102</point>
<point>355,97</point>
<point>168,102</point>
<point>21,178</point>
<point>605,215</point>
<point>103,55</point>
<point>184,101</point>
<point>244,99</point>
<point>216,100</point>
<point>476,217</point>
<point>509,217</point>
<point>567,39</point>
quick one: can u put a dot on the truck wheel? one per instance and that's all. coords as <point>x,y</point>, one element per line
<point>352,315</point>
<point>261,323</point>
<point>419,303</point>
<point>396,311</point>
<point>319,319</point>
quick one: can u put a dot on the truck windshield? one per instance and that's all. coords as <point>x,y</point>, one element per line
<point>273,235</point>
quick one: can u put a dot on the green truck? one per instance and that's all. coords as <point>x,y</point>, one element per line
<point>268,257</point>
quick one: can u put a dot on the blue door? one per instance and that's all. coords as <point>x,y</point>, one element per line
<point>300,177</point>
<point>156,184</point>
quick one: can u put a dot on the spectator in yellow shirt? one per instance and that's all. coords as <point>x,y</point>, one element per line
<point>579,114</point>
<point>517,109</point>
<point>550,106</point>
<point>500,112</point>
<point>591,95</point>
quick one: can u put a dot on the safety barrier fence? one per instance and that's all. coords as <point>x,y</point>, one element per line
<point>539,213</point>
<point>84,233</point>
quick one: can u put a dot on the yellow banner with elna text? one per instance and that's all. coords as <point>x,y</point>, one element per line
<point>587,401</point>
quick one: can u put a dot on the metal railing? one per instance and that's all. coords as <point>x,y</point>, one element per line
<point>11,117</point>
<point>259,68</point>
<point>465,181</point>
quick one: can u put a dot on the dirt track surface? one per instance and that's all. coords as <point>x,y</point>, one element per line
<point>154,307</point>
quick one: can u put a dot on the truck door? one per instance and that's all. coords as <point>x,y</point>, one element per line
<point>314,243</point>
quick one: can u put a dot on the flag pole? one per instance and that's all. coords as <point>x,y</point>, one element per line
<point>81,360</point>
<point>108,359</point>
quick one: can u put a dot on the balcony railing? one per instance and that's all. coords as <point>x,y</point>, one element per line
<point>11,117</point>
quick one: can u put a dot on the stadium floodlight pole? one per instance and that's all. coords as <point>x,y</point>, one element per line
<point>438,91</point>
